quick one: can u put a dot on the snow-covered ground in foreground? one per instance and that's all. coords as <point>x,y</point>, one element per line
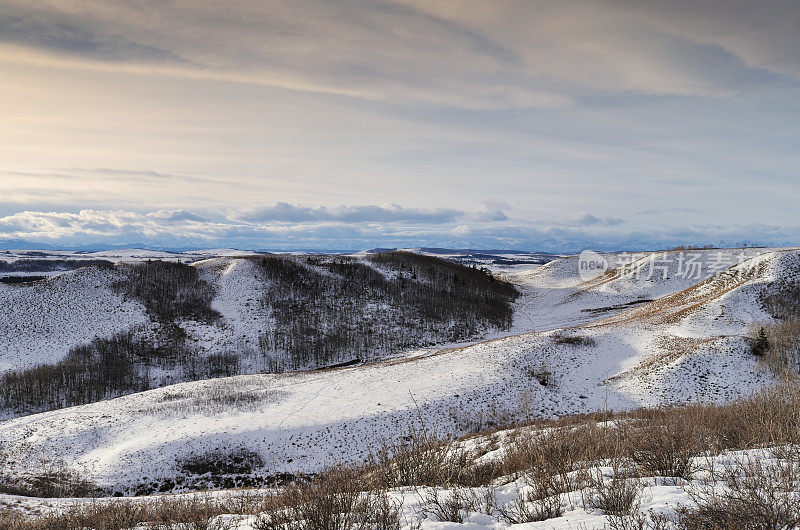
<point>484,506</point>
<point>685,345</point>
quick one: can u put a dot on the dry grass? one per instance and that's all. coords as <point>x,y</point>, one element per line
<point>605,460</point>
<point>185,513</point>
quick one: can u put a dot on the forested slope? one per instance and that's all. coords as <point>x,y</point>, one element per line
<point>230,316</point>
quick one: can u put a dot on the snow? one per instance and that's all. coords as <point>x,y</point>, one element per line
<point>40,322</point>
<point>657,496</point>
<point>685,345</point>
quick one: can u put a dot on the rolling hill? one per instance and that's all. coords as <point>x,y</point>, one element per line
<point>617,341</point>
<point>106,330</point>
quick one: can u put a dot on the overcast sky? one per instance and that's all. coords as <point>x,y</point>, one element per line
<point>553,125</point>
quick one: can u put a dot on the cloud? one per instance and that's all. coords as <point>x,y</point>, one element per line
<point>659,211</point>
<point>591,220</point>
<point>582,221</point>
<point>487,214</point>
<point>509,54</point>
<point>379,51</point>
<point>177,215</point>
<point>182,228</point>
<point>282,211</point>
<point>53,32</point>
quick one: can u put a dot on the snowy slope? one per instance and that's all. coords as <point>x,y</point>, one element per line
<point>555,296</point>
<point>40,322</point>
<point>685,345</point>
<point>657,496</point>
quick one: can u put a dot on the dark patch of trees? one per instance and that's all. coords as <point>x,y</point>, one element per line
<point>21,279</point>
<point>782,299</point>
<point>323,311</point>
<point>169,291</point>
<point>128,362</point>
<point>50,265</point>
<point>106,368</point>
<point>330,309</point>
<point>99,370</point>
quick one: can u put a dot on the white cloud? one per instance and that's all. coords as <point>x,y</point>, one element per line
<point>282,211</point>
<point>182,228</point>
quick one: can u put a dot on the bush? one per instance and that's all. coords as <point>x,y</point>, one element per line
<point>339,499</point>
<point>665,443</point>
<point>542,374</point>
<point>54,479</point>
<point>573,340</point>
<point>418,459</point>
<point>618,495</point>
<point>758,494</point>
<point>236,461</point>
<point>560,450</point>
<point>180,513</point>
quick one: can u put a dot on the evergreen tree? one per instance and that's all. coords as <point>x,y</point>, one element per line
<point>761,346</point>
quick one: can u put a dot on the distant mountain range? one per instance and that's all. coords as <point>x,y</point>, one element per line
<point>21,244</point>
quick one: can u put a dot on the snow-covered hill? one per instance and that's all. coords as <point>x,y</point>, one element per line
<point>618,341</point>
<point>161,322</point>
<point>40,322</point>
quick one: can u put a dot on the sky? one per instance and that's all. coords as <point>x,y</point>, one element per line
<point>554,125</point>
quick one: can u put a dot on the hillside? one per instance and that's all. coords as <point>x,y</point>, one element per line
<point>679,468</point>
<point>103,331</point>
<point>623,342</point>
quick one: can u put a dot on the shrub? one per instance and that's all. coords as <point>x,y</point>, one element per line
<point>618,494</point>
<point>573,340</point>
<point>236,461</point>
<point>530,506</point>
<point>560,450</point>
<point>198,512</point>
<point>665,443</point>
<point>53,479</point>
<point>542,374</point>
<point>418,459</point>
<point>338,499</point>
<point>758,494</point>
